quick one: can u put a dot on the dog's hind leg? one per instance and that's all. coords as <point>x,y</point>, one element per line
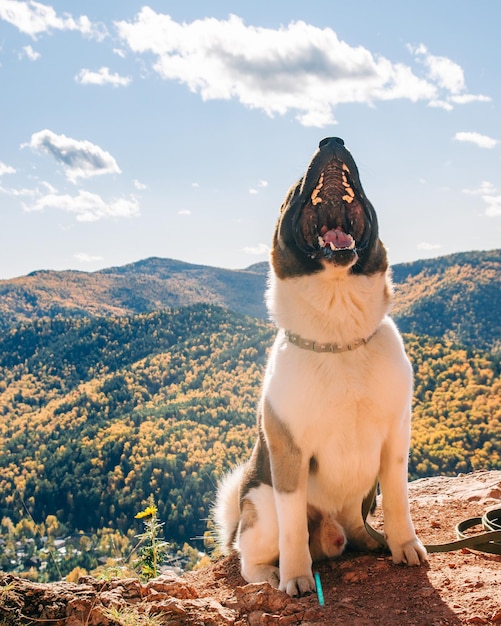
<point>257,538</point>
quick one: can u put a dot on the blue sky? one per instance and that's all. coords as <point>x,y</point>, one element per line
<point>170,129</point>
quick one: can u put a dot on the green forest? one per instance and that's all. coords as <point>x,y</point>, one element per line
<point>100,414</point>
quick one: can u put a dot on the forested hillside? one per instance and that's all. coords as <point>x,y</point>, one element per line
<point>99,414</point>
<point>457,296</point>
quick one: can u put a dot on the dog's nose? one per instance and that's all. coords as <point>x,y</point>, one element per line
<point>331,140</point>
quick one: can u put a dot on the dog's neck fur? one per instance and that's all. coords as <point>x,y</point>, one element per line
<point>333,305</point>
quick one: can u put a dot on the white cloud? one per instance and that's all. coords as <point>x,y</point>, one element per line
<point>184,212</point>
<point>29,192</point>
<point>18,193</point>
<point>29,53</point>
<point>87,206</point>
<point>48,187</point>
<point>6,169</point>
<point>488,193</point>
<point>469,97</point>
<point>441,70</point>
<point>299,67</point>
<point>424,245</point>
<point>261,184</point>
<point>493,205</point>
<point>139,185</point>
<point>34,18</point>
<point>257,250</point>
<point>482,141</point>
<point>195,185</point>
<point>485,188</point>
<point>441,104</point>
<point>102,77</point>
<point>80,159</point>
<point>83,257</point>
<point>448,76</point>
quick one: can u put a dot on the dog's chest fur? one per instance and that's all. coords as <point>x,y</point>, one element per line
<point>338,408</point>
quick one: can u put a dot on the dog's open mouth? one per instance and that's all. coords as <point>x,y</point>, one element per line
<point>327,220</point>
<point>333,220</point>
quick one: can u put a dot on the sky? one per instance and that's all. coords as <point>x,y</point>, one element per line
<point>174,129</point>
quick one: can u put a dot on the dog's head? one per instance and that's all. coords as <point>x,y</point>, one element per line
<point>327,219</point>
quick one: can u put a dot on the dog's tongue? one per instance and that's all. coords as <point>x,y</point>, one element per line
<point>338,238</point>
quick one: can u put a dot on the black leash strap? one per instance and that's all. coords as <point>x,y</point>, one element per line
<point>487,541</point>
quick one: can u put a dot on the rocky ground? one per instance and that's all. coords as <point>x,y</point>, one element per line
<point>453,589</point>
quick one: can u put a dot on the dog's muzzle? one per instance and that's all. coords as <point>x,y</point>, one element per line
<point>331,216</point>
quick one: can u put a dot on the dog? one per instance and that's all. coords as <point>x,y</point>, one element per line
<point>335,408</point>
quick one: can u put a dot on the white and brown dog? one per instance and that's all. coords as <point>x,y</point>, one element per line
<point>335,409</point>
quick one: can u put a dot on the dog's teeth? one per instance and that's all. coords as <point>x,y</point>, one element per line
<point>333,247</point>
<point>315,199</point>
<point>347,186</point>
<point>321,242</point>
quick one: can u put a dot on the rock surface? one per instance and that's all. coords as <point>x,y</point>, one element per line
<point>453,589</point>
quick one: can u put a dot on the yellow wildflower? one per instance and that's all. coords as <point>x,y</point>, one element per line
<point>149,511</point>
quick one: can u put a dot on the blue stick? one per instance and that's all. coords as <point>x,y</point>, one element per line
<point>320,591</point>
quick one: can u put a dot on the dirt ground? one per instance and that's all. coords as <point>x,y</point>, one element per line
<point>453,589</point>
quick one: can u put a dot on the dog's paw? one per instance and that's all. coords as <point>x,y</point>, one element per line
<point>299,586</point>
<point>261,574</point>
<point>273,577</point>
<point>410,553</point>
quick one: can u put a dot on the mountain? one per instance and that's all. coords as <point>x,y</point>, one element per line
<point>458,296</point>
<point>147,285</point>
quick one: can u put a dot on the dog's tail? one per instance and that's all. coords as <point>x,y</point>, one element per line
<point>226,511</point>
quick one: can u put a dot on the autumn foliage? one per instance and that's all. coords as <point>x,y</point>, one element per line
<point>99,414</point>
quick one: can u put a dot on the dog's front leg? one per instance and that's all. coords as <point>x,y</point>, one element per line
<point>402,540</point>
<point>295,560</point>
<point>289,470</point>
